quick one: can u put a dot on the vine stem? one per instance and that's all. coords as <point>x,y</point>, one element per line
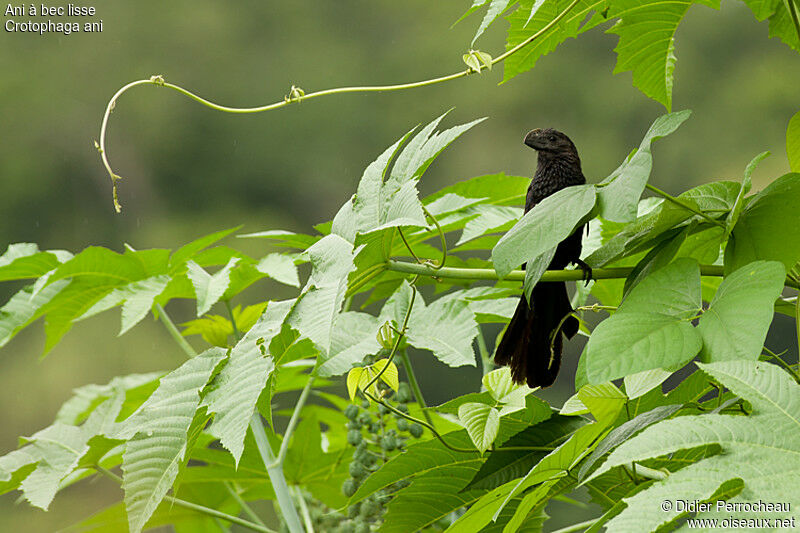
<point>295,95</point>
<point>478,274</point>
<point>275,473</point>
<point>197,507</point>
<point>681,203</point>
<point>577,527</point>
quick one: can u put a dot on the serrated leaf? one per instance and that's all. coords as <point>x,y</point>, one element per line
<point>736,323</point>
<point>446,328</point>
<point>157,435</point>
<point>775,399</point>
<point>25,261</point>
<point>529,19</point>
<point>279,267</point>
<point>238,385</point>
<point>482,422</point>
<point>617,200</point>
<point>643,382</point>
<point>489,219</point>
<point>353,337</point>
<point>543,227</point>
<point>187,251</point>
<point>209,288</point>
<point>24,307</point>
<point>492,189</point>
<point>288,239</point>
<point>768,228</point>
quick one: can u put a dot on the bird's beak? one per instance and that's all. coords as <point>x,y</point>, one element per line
<point>532,139</point>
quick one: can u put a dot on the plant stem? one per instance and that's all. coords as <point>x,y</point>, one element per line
<point>196,507</point>
<point>236,332</point>
<point>173,331</point>
<point>681,203</point>
<point>293,421</point>
<point>478,274</point>
<point>441,238</point>
<point>412,380</point>
<point>792,8</point>
<point>301,502</point>
<point>486,360</point>
<point>243,504</point>
<point>276,476</point>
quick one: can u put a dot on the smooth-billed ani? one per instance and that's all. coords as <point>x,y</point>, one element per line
<point>532,343</point>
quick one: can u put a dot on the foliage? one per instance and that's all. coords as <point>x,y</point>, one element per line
<point>699,275</point>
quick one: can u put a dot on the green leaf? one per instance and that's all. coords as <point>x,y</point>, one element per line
<point>651,340</point>
<point>214,329</point>
<point>489,219</point>
<point>238,385</point>
<point>188,251</point>
<point>647,42</point>
<point>604,401</point>
<point>506,465</point>
<point>315,314</point>
<point>530,18</point>
<point>773,424</point>
<point>543,227</point>
<point>482,422</point>
<point>24,307</point>
<point>769,227</point>
<point>793,142</point>
<point>650,329</point>
<point>534,269</point>
<point>747,184</point>
<point>736,323</point>
<point>279,267</point>
<point>136,298</point>
<point>617,200</point>
<point>643,382</point>
<point>496,8</point>
<point>288,239</point>
<point>658,257</point>
<point>445,327</point>
<point>492,189</point>
<point>353,337</point>
<point>25,261</point>
<point>157,435</point>
<point>209,288</point>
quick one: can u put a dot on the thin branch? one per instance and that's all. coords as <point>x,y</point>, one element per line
<point>577,527</point>
<point>244,505</point>
<point>173,331</point>
<point>196,507</point>
<point>441,238</point>
<point>681,203</point>
<point>301,502</point>
<point>293,422</point>
<point>478,274</point>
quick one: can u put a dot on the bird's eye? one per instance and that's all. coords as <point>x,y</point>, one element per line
<point>552,138</point>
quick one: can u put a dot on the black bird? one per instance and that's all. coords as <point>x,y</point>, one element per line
<point>532,343</point>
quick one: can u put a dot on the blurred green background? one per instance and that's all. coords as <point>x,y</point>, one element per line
<point>189,170</point>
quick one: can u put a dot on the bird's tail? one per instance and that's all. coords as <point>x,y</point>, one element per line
<point>532,343</point>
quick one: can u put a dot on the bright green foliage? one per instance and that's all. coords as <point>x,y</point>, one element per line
<point>793,142</point>
<point>499,454</point>
<point>767,476</point>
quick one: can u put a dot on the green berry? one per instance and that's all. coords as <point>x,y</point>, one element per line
<point>369,508</point>
<point>382,410</point>
<point>415,430</point>
<point>361,452</point>
<point>364,419</point>
<point>353,437</point>
<point>365,404</point>
<point>402,424</point>
<point>404,393</point>
<point>349,487</point>
<point>357,469</point>
<point>388,443</point>
<point>374,428</point>
<point>353,424</point>
<point>351,411</point>
<point>403,408</point>
<point>353,510</point>
<point>361,527</point>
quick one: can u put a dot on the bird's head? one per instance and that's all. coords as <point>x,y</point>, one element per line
<point>550,143</point>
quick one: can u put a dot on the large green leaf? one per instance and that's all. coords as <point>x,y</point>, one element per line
<point>354,336</point>
<point>482,422</point>
<point>24,307</point>
<point>736,323</point>
<point>279,267</point>
<point>747,184</point>
<point>769,227</point>
<point>495,189</point>
<point>527,21</point>
<point>136,298</point>
<point>25,261</point>
<point>773,425</point>
<point>238,385</point>
<point>618,199</point>
<point>651,328</point>
<point>543,227</point>
<point>157,436</point>
<point>647,42</point>
<point>446,328</point>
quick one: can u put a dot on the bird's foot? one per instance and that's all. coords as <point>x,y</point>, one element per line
<point>586,269</point>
